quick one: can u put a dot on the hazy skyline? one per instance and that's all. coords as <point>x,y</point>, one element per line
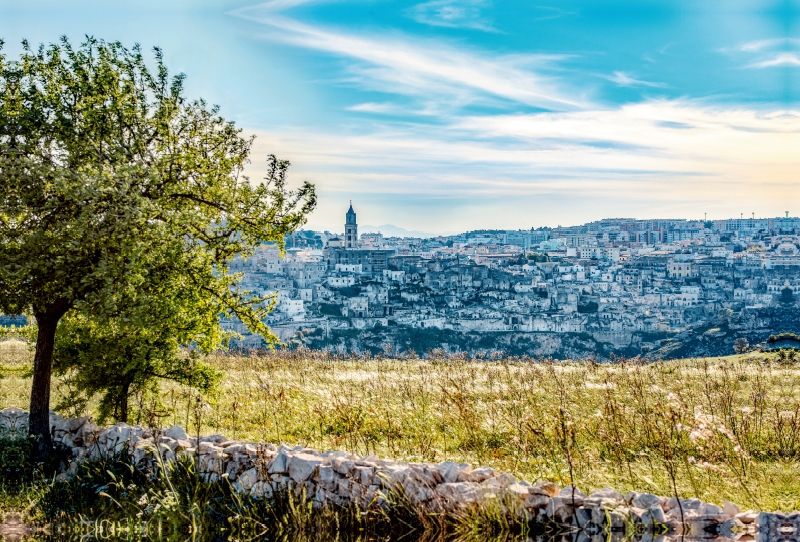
<point>450,115</point>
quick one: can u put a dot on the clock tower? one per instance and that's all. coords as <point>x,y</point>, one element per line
<point>350,229</point>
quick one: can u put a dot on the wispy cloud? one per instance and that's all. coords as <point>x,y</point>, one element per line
<point>769,53</point>
<point>558,153</point>
<point>648,156</point>
<point>452,14</point>
<point>759,45</point>
<point>430,69</point>
<point>781,60</point>
<point>552,12</point>
<point>283,5</point>
<point>625,80</point>
<point>372,107</point>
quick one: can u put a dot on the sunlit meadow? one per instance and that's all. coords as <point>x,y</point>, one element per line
<point>717,429</point>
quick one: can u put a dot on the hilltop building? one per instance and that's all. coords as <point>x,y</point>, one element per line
<point>351,255</point>
<point>623,286</point>
<point>350,229</point>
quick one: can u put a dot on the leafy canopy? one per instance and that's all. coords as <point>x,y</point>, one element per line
<point>116,360</point>
<point>116,192</point>
<point>115,189</point>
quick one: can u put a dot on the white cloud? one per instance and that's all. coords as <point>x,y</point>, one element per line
<point>624,80</point>
<point>770,53</point>
<point>430,69</point>
<point>596,163</point>
<point>578,162</point>
<point>550,12</point>
<point>371,107</point>
<point>452,13</point>
<point>783,59</point>
<point>283,5</point>
<point>755,46</point>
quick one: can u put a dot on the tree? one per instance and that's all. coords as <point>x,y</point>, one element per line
<point>536,257</point>
<point>122,355</point>
<point>741,345</point>
<point>114,189</point>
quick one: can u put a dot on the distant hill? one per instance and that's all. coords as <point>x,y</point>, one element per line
<point>710,339</point>
<point>388,230</point>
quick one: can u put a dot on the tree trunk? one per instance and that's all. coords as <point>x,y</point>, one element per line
<point>39,421</point>
<point>123,403</point>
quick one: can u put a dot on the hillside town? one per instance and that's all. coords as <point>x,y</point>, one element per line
<point>617,281</point>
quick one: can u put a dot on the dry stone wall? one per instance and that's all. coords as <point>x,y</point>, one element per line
<point>340,478</point>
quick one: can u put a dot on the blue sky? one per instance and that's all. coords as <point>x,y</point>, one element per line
<point>446,115</point>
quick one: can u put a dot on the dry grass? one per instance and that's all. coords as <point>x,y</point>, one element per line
<point>16,361</point>
<point>709,428</point>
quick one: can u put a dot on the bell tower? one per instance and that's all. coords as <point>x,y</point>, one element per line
<point>350,229</point>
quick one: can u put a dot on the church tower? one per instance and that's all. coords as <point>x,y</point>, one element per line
<point>350,229</point>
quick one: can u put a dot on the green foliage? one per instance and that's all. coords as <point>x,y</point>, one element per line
<point>118,192</point>
<point>536,257</point>
<point>348,291</point>
<point>589,307</point>
<point>740,345</point>
<point>330,309</point>
<point>785,336</point>
<point>116,358</point>
<point>22,333</point>
<point>114,185</point>
<point>18,463</point>
<point>15,452</point>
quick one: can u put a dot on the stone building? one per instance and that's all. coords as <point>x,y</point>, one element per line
<point>350,229</point>
<point>370,260</point>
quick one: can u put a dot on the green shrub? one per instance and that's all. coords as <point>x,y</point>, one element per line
<point>16,459</point>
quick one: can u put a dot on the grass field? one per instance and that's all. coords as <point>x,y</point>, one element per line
<point>716,429</point>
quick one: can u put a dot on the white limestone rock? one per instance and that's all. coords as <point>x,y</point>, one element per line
<point>479,475</point>
<point>646,500</point>
<point>458,492</point>
<point>302,466</point>
<point>545,488</point>
<point>536,500</point>
<point>449,471</point>
<point>518,491</point>
<point>176,432</point>
<point>280,464</point>
<point>343,478</point>
<point>747,517</point>
<point>247,480</point>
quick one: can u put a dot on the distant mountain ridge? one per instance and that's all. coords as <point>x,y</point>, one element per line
<point>390,230</point>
